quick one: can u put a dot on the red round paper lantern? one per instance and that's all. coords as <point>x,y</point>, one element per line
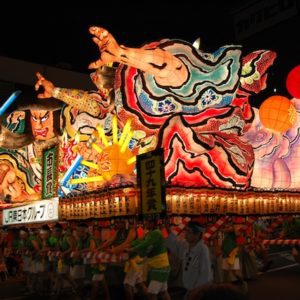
<point>277,113</point>
<point>293,82</point>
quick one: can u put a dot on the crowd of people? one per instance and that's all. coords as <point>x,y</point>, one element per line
<point>63,259</point>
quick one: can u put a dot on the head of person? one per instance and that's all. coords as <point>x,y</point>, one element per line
<point>9,182</point>
<point>42,124</point>
<point>120,224</point>
<point>23,233</point>
<point>193,232</point>
<point>150,224</point>
<point>104,79</point>
<point>41,121</point>
<point>44,120</point>
<point>57,230</point>
<point>44,232</point>
<point>219,292</point>
<point>82,230</point>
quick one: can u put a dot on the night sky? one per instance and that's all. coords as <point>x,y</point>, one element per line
<point>55,34</point>
<point>58,35</point>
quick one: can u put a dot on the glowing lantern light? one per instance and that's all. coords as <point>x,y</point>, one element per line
<point>277,113</point>
<point>116,161</point>
<point>293,82</point>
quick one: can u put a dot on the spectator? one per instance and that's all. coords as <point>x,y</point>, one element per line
<point>195,256</point>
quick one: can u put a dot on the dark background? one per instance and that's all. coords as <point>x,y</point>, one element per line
<point>56,33</point>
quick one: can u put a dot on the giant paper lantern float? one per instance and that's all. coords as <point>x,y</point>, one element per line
<point>277,113</point>
<point>200,122</point>
<point>293,82</point>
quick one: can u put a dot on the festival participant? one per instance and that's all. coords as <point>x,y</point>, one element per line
<point>291,230</point>
<point>3,268</point>
<point>64,243</point>
<point>124,238</point>
<point>157,267</point>
<point>230,253</point>
<point>34,248</point>
<point>119,240</point>
<point>86,244</point>
<point>196,261</point>
<point>23,248</point>
<point>43,264</point>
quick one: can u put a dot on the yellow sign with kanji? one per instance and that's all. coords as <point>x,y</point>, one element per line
<point>152,182</point>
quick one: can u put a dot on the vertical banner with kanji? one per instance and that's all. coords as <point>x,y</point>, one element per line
<point>50,174</point>
<point>151,179</point>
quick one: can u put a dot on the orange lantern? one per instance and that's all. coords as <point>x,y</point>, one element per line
<point>277,113</point>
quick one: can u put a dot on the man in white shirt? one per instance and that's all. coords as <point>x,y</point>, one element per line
<point>196,262</point>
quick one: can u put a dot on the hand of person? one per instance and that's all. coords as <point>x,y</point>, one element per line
<point>109,48</point>
<point>47,85</point>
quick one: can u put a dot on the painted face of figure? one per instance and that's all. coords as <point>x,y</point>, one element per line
<point>9,184</point>
<point>42,124</point>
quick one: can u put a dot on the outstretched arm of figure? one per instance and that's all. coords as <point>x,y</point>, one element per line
<point>90,102</point>
<point>167,69</point>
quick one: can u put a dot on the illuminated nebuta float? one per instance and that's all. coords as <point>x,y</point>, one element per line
<point>195,105</point>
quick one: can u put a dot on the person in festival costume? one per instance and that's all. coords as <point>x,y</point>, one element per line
<point>121,237</point>
<point>24,247</point>
<point>64,243</point>
<point>43,263</point>
<point>86,243</point>
<point>230,254</point>
<point>291,230</point>
<point>3,267</point>
<point>156,264</point>
<point>197,266</point>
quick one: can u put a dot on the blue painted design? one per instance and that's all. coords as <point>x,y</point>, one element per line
<point>166,106</point>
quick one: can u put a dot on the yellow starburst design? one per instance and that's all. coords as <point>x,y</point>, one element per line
<point>115,158</point>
